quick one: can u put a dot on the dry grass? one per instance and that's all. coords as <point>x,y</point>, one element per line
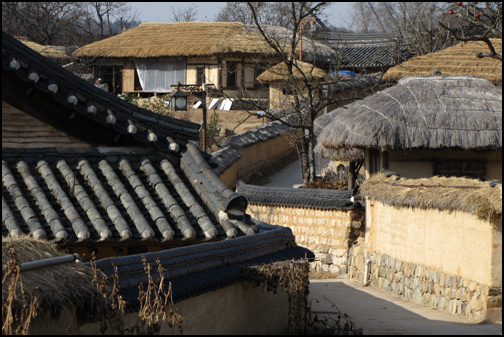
<point>457,60</point>
<point>47,51</point>
<point>420,113</point>
<point>279,72</point>
<point>156,39</point>
<point>54,286</point>
<point>443,193</point>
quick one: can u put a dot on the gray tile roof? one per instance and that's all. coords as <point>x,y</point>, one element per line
<point>365,50</point>
<point>163,192</point>
<point>194,270</point>
<point>117,197</point>
<point>299,197</point>
<point>83,99</point>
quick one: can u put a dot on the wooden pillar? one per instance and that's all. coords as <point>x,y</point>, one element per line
<point>242,80</point>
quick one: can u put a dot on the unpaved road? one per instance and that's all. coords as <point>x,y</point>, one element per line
<point>380,313</point>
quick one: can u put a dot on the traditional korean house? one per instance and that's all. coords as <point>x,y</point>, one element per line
<point>283,87</point>
<point>421,127</point>
<point>154,56</point>
<point>97,176</point>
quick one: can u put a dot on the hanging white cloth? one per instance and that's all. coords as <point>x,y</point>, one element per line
<point>157,75</point>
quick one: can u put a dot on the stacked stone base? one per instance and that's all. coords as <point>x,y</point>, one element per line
<point>456,295</point>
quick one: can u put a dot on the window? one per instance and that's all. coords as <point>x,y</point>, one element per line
<point>200,71</point>
<point>231,74</point>
<point>454,168</point>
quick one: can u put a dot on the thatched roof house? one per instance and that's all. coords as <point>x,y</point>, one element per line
<point>155,56</point>
<point>97,175</point>
<point>283,86</point>
<point>444,124</point>
<point>460,59</point>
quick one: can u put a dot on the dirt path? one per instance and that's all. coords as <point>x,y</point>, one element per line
<point>381,313</point>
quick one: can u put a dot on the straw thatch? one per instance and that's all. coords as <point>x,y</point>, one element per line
<point>157,39</point>
<point>432,112</point>
<point>457,60</point>
<point>443,193</point>
<point>47,51</point>
<point>300,70</point>
<point>54,286</point>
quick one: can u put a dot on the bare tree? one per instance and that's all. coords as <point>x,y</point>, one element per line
<point>66,23</point>
<point>184,14</point>
<point>266,13</point>
<point>41,22</point>
<point>476,21</point>
<point>308,97</point>
<point>104,19</point>
<point>413,23</point>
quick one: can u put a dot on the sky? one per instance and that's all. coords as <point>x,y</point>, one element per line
<point>338,12</point>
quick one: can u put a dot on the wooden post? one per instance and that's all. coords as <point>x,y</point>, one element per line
<point>204,114</point>
<point>351,175</point>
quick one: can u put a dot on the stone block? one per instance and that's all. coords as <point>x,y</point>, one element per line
<point>416,296</point>
<point>458,294</point>
<point>328,259</point>
<point>493,302</point>
<point>398,277</point>
<point>444,303</point>
<point>418,271</point>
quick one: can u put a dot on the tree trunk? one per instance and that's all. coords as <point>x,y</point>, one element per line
<point>311,156</point>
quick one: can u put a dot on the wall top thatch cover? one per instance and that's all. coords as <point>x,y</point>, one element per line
<point>431,112</point>
<point>443,193</point>
<point>157,39</point>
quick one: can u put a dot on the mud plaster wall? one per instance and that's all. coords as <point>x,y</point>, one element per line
<point>255,157</point>
<point>451,261</point>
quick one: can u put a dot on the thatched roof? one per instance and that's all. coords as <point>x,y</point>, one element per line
<point>443,193</point>
<point>457,60</point>
<point>301,69</point>
<point>157,39</point>
<point>47,51</point>
<point>432,112</point>
<point>54,286</point>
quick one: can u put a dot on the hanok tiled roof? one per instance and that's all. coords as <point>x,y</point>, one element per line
<point>85,103</point>
<point>194,270</point>
<point>293,197</point>
<point>115,197</point>
<point>364,50</point>
<point>95,194</point>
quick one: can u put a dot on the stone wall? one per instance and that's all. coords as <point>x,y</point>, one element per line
<point>328,233</point>
<point>428,286</point>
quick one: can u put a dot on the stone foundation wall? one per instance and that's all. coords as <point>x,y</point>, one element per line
<point>328,233</point>
<point>429,287</point>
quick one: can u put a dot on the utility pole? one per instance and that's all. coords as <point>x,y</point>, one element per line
<point>203,98</point>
